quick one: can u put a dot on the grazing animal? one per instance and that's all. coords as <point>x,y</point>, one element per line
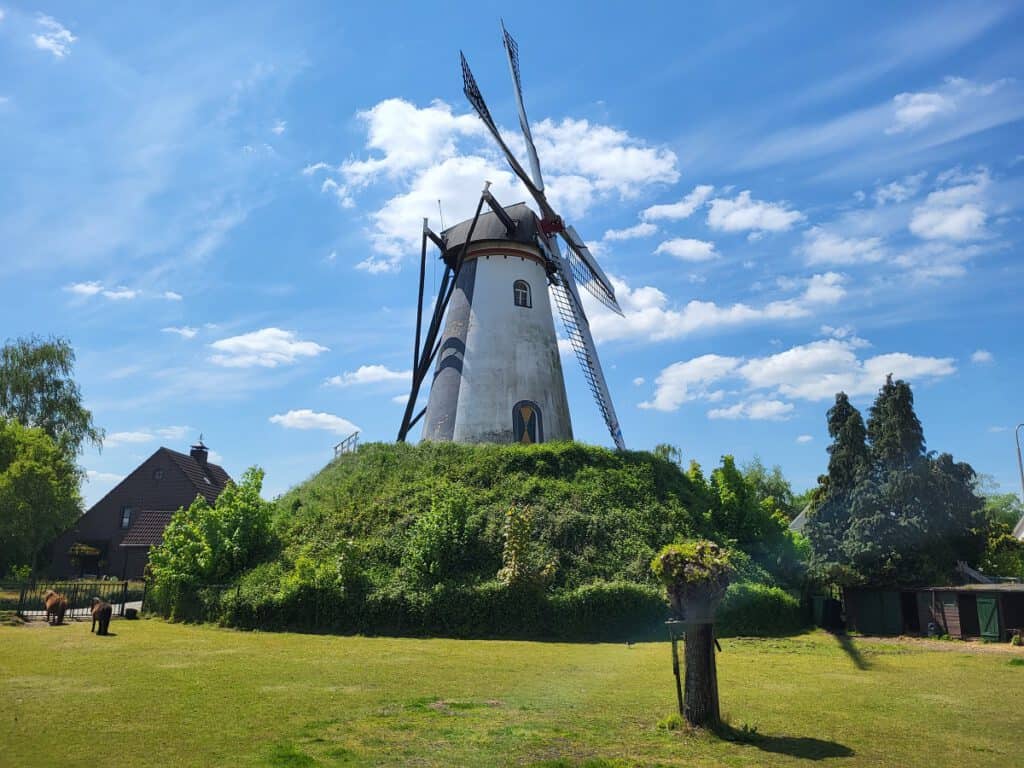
<point>56,606</point>
<point>101,611</point>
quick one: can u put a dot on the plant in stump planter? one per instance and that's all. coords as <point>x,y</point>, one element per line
<point>695,575</point>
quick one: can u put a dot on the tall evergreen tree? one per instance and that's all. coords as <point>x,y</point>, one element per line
<point>830,516</point>
<point>894,431</point>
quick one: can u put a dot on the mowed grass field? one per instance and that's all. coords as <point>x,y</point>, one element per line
<point>160,694</point>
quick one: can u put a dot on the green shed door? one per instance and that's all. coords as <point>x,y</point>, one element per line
<point>988,617</point>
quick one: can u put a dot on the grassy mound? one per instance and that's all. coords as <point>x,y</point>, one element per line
<point>541,541</point>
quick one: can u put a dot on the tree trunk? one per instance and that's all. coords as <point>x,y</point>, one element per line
<point>700,699</point>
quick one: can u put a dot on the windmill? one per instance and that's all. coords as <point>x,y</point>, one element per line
<point>498,376</point>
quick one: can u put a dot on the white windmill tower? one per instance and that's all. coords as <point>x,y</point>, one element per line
<point>499,376</point>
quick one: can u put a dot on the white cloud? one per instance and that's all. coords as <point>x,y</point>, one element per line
<point>174,432</point>
<point>955,212</point>
<point>681,210</point>
<point>982,357</point>
<point>279,127</point>
<point>643,229</point>
<point>998,429</point>
<point>899,190</point>
<point>689,380</point>
<point>430,154</point>
<point>370,374</point>
<point>90,288</point>
<point>107,478</point>
<point>312,168</point>
<point>688,249</point>
<point>117,439</point>
<point>814,371</point>
<point>400,399</point>
<point>120,293</point>
<point>267,347</point>
<point>745,213</point>
<point>185,331</point>
<point>648,316</point>
<point>913,111</point>
<point>822,246</point>
<point>53,37</point>
<point>639,381</point>
<point>755,410</point>
<point>172,296</point>
<point>304,418</point>
<point>804,438</point>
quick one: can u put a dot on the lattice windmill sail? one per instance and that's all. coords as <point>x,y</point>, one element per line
<point>498,376</point>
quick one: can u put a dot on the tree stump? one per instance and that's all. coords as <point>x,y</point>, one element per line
<point>700,693</point>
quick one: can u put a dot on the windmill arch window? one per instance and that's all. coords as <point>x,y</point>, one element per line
<point>527,426</point>
<point>521,294</point>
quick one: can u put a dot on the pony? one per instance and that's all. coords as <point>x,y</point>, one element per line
<point>56,606</point>
<point>101,611</point>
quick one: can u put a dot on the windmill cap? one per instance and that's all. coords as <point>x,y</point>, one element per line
<point>490,227</point>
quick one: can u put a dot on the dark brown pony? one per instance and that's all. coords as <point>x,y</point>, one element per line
<point>101,611</point>
<point>56,606</point>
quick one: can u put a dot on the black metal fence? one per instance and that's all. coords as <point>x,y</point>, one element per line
<point>79,595</point>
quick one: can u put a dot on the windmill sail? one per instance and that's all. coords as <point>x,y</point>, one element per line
<point>513,64</point>
<point>577,328</point>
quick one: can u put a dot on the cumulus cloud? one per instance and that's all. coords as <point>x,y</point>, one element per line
<point>279,127</point>
<point>814,372</point>
<point>804,438</point>
<point>914,111</point>
<point>118,439</point>
<point>899,190</point>
<point>53,37</point>
<point>755,410</point>
<point>982,357</point>
<point>370,374</point>
<point>648,315</point>
<point>822,246</point>
<point>681,210</point>
<point>643,229</point>
<point>120,293</point>
<point>688,249</point>
<point>639,381</point>
<point>267,348</point>
<point>304,418</point>
<point>90,288</point>
<point>106,478</point>
<point>173,432</point>
<point>172,296</point>
<point>430,153</point>
<point>185,331</point>
<point>956,211</point>
<point>757,216</point>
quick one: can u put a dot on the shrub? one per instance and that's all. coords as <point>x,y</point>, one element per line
<point>759,609</point>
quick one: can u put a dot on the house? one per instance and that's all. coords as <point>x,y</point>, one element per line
<point>114,537</point>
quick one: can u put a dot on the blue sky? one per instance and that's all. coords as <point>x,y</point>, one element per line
<point>221,210</point>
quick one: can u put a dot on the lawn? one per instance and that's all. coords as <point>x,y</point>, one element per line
<point>158,694</point>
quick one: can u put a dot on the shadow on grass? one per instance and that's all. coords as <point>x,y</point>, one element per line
<point>803,747</point>
<point>846,643</point>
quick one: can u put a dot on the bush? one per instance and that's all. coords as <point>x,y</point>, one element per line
<point>759,609</point>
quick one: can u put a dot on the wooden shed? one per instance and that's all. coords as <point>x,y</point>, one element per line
<point>989,611</point>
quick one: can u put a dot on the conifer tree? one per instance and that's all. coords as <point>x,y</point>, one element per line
<point>895,433</point>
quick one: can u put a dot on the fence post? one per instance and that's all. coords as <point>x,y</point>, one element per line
<point>145,588</point>
<point>21,600</point>
<point>124,597</point>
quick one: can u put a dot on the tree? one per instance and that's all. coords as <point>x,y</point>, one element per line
<point>695,575</point>
<point>771,484</point>
<point>887,512</point>
<point>895,433</point>
<point>38,494</point>
<point>210,544</point>
<point>37,390</point>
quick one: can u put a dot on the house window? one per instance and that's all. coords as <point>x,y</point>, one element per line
<point>526,423</point>
<point>126,517</point>
<point>158,474</point>
<point>521,292</point>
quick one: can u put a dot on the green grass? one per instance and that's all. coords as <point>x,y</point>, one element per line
<point>157,694</point>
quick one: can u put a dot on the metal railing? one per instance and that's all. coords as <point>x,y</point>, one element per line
<point>79,595</point>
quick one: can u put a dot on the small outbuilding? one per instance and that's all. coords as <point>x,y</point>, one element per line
<point>988,611</point>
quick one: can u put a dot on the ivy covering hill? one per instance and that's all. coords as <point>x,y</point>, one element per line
<point>550,540</point>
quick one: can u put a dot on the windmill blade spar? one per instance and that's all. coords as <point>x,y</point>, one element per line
<point>513,64</point>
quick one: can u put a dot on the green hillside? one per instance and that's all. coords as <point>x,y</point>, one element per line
<point>550,540</point>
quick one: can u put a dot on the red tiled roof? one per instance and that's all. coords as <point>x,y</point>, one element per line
<point>147,530</point>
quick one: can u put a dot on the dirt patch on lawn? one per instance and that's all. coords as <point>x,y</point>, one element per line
<point>958,646</point>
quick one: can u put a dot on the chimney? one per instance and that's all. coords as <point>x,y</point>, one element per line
<point>199,452</point>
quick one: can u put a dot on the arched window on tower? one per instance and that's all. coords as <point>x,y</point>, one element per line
<point>521,292</point>
<point>527,427</point>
